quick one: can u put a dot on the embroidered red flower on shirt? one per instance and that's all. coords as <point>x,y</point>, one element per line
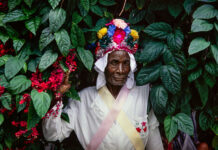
<point>138,129</point>
<point>141,127</point>
<point>143,123</point>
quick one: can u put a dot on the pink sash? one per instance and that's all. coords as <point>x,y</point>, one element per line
<point>109,120</point>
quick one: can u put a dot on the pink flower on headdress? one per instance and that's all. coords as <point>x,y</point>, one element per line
<point>120,23</point>
<point>119,36</point>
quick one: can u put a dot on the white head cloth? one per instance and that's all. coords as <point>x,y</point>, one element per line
<point>101,64</point>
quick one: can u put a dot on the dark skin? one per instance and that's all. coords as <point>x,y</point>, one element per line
<point>116,73</point>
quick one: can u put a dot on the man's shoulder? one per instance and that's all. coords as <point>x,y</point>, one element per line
<point>142,87</point>
<point>88,90</point>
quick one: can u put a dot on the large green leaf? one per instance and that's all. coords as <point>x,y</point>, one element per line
<point>136,16</point>
<point>175,40</point>
<point>82,10</point>
<point>188,5</point>
<point>46,38</point>
<point>4,59</point>
<point>33,64</point>
<point>160,30</point>
<point>198,44</point>
<point>199,25</point>
<point>107,2</point>
<point>151,51</point>
<point>3,81</point>
<point>48,58</point>
<point>1,119</point>
<point>76,18</point>
<point>168,58</point>
<point>202,90</point>
<point>41,102</point>
<point>209,79</point>
<point>57,18</point>
<point>180,61</point>
<point>86,57</point>
<point>214,50</point>
<point>29,2</point>
<point>192,63</point>
<point>33,24</point>
<point>3,37</point>
<point>6,100</point>
<point>18,43</point>
<point>13,3</point>
<point>170,128</point>
<point>140,3</point>
<point>97,10</point>
<point>16,15</point>
<point>12,67</point>
<point>77,36</point>
<point>54,3</point>
<point>63,41</point>
<point>205,11</point>
<point>19,84</point>
<point>148,75</point>
<point>171,78</point>
<point>85,4</point>
<point>205,121</point>
<point>88,20</point>
<point>184,123</point>
<point>194,75</point>
<point>33,118</point>
<point>212,68</point>
<point>174,8</point>
<point>158,98</point>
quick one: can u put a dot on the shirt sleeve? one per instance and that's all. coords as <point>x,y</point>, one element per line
<point>54,128</point>
<point>154,139</point>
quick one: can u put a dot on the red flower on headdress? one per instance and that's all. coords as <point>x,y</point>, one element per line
<point>119,36</point>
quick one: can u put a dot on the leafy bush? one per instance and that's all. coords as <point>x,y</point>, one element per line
<point>40,40</point>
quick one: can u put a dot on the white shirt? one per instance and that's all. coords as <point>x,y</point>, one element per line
<point>86,116</point>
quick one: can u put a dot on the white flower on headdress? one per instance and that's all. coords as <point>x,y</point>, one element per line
<point>120,23</point>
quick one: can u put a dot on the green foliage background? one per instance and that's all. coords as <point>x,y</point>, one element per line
<point>178,55</point>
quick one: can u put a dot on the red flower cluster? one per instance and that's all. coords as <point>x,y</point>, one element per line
<point>53,82</point>
<point>26,98</point>
<point>70,61</point>
<point>19,133</point>
<point>2,90</point>
<point>56,79</point>
<point>4,50</point>
<point>37,82</point>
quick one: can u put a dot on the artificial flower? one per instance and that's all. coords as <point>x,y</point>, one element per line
<point>102,32</point>
<point>119,23</point>
<point>134,34</point>
<point>111,30</point>
<point>119,36</point>
<point>127,30</point>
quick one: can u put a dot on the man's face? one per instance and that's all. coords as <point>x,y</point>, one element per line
<point>118,68</point>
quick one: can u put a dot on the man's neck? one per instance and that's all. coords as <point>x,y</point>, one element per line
<point>114,89</point>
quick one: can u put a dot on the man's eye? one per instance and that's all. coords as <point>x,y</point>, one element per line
<point>126,63</point>
<point>114,62</point>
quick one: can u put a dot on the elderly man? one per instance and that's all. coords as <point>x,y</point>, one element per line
<point>113,114</point>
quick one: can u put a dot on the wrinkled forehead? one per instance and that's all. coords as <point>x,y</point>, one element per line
<point>118,55</point>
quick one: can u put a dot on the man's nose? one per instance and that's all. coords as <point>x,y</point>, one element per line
<point>121,69</point>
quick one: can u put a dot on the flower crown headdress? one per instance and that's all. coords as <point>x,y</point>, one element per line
<point>118,36</point>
